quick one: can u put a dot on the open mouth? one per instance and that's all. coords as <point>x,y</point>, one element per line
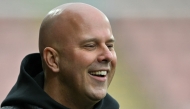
<point>99,73</point>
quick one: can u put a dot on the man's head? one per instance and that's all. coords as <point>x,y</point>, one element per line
<point>77,48</point>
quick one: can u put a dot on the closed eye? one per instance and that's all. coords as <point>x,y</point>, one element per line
<point>90,46</point>
<point>110,46</point>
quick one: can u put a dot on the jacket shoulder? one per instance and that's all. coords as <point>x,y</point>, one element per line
<point>11,107</point>
<point>21,107</point>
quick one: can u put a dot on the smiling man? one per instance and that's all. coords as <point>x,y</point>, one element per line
<point>75,65</point>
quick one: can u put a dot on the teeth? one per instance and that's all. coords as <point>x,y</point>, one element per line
<point>99,73</point>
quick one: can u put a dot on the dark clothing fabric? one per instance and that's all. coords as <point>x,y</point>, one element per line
<point>28,91</point>
<point>21,107</point>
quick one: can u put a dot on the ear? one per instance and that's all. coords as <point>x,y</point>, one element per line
<point>51,59</point>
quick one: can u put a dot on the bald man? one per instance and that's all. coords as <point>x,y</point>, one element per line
<point>75,65</point>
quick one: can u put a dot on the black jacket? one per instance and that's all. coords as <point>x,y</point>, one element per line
<point>28,92</point>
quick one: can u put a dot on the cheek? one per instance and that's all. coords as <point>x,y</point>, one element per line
<point>114,60</point>
<point>78,63</point>
<point>84,59</point>
<point>113,68</point>
<point>75,69</point>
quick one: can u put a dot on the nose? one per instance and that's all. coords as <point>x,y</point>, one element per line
<point>106,55</point>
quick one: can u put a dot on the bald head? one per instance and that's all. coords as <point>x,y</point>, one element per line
<point>67,20</point>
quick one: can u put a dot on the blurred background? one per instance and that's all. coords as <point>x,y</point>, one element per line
<point>152,44</point>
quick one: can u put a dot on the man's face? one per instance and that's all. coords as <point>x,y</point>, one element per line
<point>88,60</point>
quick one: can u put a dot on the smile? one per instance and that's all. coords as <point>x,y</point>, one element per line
<point>99,73</point>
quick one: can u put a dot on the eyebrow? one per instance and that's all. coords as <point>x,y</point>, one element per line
<point>111,40</point>
<point>96,40</point>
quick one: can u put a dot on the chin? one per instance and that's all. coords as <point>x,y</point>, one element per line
<point>98,95</point>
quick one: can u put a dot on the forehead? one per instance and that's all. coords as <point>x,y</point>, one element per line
<point>95,26</point>
<point>83,24</point>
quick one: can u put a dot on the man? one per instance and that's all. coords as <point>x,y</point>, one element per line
<point>75,66</point>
